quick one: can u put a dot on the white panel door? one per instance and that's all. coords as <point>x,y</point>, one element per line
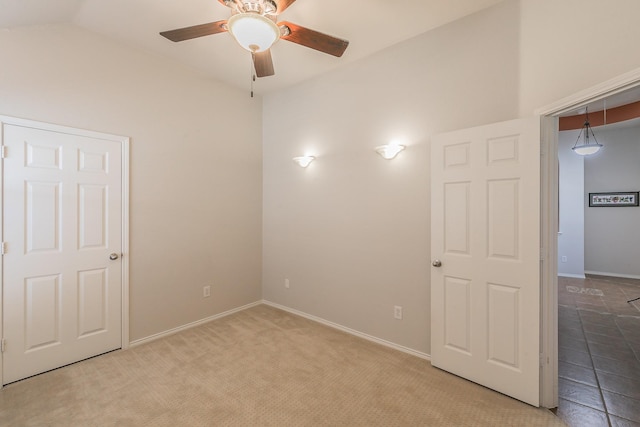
<point>485,221</point>
<point>62,220</point>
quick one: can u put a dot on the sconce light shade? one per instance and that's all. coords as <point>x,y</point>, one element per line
<point>586,148</point>
<point>253,31</point>
<point>389,151</point>
<point>304,161</point>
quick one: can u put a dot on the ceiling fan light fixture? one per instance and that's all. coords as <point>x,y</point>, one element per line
<point>252,31</point>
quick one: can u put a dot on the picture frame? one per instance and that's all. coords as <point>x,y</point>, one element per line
<point>613,199</point>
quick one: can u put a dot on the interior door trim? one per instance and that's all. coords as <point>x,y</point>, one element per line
<point>549,225</point>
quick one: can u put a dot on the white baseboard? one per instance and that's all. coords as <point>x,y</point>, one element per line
<point>603,273</point>
<point>575,276</point>
<point>289,310</point>
<point>351,331</point>
<point>190,325</point>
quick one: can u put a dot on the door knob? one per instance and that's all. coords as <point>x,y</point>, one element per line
<point>113,256</point>
<point>436,263</point>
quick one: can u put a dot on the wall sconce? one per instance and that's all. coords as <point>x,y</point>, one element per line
<point>389,151</point>
<point>304,161</point>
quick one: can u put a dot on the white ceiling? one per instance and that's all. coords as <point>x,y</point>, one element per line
<point>369,25</point>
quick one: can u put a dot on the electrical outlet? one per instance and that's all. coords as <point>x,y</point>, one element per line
<point>397,312</point>
<point>286,283</point>
<point>564,258</point>
<point>206,292</point>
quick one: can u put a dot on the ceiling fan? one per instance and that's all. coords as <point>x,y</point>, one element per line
<point>253,23</point>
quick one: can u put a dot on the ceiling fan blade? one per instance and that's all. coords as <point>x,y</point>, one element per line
<point>263,63</point>
<point>314,40</point>
<point>196,31</point>
<point>283,4</point>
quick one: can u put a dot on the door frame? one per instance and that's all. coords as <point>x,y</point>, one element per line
<point>124,153</point>
<point>549,222</point>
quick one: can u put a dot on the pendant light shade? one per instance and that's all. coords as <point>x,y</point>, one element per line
<point>587,147</point>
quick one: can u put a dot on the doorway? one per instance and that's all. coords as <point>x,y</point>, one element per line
<point>598,344</point>
<point>623,86</point>
<point>65,246</point>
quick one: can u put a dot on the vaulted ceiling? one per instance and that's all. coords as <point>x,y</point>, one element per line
<point>369,25</point>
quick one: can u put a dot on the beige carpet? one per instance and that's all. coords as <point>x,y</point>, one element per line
<point>259,367</point>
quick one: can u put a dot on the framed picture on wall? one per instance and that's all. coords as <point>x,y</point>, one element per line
<point>617,199</point>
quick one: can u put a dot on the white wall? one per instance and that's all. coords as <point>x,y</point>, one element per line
<point>612,235</point>
<point>195,164</point>
<point>567,46</point>
<point>352,231</point>
<point>571,203</point>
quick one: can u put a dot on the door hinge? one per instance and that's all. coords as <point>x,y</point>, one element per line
<point>542,360</point>
<point>3,248</point>
<point>3,345</point>
<point>3,151</point>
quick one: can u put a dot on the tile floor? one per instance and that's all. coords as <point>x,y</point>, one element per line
<point>599,351</point>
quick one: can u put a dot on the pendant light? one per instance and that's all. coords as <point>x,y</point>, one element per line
<point>586,148</point>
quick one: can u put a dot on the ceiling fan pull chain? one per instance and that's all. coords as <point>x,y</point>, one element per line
<point>253,77</point>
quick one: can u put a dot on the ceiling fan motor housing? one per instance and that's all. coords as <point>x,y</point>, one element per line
<point>262,7</point>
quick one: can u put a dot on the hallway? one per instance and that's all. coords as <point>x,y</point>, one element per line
<point>599,351</point>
